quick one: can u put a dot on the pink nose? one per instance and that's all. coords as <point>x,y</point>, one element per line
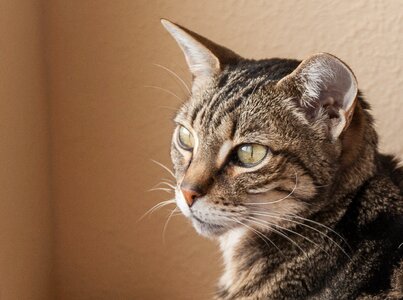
<point>190,195</point>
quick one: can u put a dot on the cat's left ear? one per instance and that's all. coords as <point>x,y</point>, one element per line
<point>328,91</point>
<point>204,57</point>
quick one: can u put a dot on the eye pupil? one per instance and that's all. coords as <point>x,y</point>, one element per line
<point>249,155</point>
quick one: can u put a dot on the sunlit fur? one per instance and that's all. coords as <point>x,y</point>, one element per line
<point>310,219</point>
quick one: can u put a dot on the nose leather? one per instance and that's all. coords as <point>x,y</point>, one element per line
<point>190,194</point>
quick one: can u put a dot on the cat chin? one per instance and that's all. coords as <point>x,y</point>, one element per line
<point>208,230</point>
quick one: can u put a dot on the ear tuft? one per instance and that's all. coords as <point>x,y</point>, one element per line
<point>328,88</point>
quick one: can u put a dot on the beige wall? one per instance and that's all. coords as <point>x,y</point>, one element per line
<point>25,216</point>
<point>106,126</point>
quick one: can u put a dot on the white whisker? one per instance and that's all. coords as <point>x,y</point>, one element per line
<point>163,166</point>
<point>165,90</point>
<point>162,189</point>
<point>279,200</point>
<point>280,233</point>
<point>272,215</point>
<point>176,75</point>
<point>173,182</point>
<point>168,180</point>
<point>265,212</point>
<point>258,233</point>
<point>292,231</point>
<point>155,207</point>
<point>164,183</point>
<point>322,225</point>
<point>319,224</point>
<point>168,107</point>
<point>166,224</point>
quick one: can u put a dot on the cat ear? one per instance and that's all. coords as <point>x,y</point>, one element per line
<point>328,90</point>
<point>204,58</point>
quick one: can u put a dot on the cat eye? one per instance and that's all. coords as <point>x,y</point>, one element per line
<point>249,155</point>
<point>185,138</point>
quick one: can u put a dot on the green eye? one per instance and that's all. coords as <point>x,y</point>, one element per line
<point>185,138</point>
<point>250,155</point>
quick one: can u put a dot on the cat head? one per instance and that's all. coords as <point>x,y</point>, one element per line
<point>257,139</point>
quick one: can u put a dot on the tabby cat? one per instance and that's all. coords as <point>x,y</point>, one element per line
<point>278,160</point>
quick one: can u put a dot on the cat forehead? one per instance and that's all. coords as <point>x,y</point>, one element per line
<point>246,115</point>
<point>220,109</point>
<point>241,100</point>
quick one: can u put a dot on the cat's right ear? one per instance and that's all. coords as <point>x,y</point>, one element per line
<point>204,57</point>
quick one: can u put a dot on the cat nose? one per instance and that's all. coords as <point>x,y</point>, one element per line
<point>190,194</point>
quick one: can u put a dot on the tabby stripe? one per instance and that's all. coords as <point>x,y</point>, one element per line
<point>216,97</point>
<point>270,181</point>
<point>235,87</point>
<point>195,112</point>
<point>234,127</point>
<point>246,93</point>
<point>231,102</point>
<point>294,158</point>
<point>229,90</point>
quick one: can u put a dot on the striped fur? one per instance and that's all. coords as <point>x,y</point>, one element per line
<point>321,216</point>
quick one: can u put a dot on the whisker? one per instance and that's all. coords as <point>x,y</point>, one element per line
<point>164,182</point>
<point>294,232</point>
<point>319,224</point>
<point>258,233</point>
<point>163,166</point>
<point>165,90</point>
<point>257,213</point>
<point>168,180</point>
<point>290,215</point>
<point>155,207</point>
<point>161,189</point>
<point>168,184</point>
<point>324,226</point>
<point>166,224</point>
<point>279,200</point>
<point>176,75</point>
<point>168,107</point>
<point>302,224</point>
<point>283,235</point>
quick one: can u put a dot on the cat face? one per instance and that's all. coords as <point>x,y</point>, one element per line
<point>256,139</point>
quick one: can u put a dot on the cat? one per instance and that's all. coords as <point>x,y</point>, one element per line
<point>277,159</point>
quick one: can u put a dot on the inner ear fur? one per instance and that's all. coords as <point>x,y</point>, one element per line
<point>328,90</point>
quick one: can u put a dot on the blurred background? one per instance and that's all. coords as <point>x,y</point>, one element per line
<point>78,128</point>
